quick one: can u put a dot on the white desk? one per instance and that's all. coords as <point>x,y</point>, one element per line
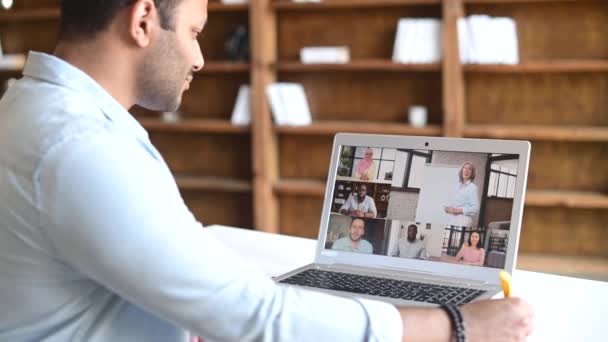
<point>567,309</point>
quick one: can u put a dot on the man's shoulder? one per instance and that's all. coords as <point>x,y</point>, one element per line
<point>36,116</point>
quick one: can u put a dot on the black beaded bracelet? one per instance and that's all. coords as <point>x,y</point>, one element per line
<point>457,321</point>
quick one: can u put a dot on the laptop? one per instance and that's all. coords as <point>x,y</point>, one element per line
<point>418,220</point>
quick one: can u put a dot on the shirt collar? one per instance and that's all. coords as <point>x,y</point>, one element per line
<point>54,70</point>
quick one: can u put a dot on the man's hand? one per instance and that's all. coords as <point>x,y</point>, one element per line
<point>503,320</point>
<point>358,213</point>
<point>498,320</point>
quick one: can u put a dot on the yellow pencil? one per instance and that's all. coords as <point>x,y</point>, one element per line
<point>505,279</point>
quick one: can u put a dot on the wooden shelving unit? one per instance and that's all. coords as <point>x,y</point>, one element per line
<point>567,199</point>
<point>300,187</point>
<point>213,184</point>
<point>213,7</point>
<point>284,5</point>
<point>275,175</point>
<point>550,66</point>
<point>333,127</point>
<point>226,67</point>
<point>357,65</point>
<point>34,14</point>
<point>538,132</point>
<point>194,125</point>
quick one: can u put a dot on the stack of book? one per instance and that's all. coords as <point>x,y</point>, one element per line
<point>289,104</point>
<point>487,40</point>
<point>418,41</point>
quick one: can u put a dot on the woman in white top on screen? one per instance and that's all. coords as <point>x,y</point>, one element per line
<point>465,203</point>
<point>366,169</point>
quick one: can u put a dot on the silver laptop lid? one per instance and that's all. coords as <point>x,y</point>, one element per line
<point>444,206</point>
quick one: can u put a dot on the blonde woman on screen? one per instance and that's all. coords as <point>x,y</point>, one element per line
<point>465,203</point>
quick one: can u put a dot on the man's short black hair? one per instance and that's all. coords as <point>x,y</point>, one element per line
<point>85,18</point>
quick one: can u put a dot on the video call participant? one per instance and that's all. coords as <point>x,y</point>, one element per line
<point>359,204</point>
<point>471,252</point>
<point>354,242</point>
<point>410,247</point>
<point>366,169</point>
<point>465,204</point>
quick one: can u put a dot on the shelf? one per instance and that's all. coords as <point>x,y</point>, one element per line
<point>520,1</point>
<point>221,7</point>
<point>356,65</point>
<point>551,66</point>
<point>300,187</point>
<point>193,126</point>
<point>29,14</point>
<point>333,127</point>
<point>213,183</point>
<point>224,67</point>
<point>573,266</point>
<point>288,5</point>
<point>537,132</point>
<point>567,199</point>
<point>15,15</point>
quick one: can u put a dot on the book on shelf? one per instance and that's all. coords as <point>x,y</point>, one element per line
<point>418,41</point>
<point>325,54</point>
<point>289,104</point>
<point>487,40</point>
<point>241,114</point>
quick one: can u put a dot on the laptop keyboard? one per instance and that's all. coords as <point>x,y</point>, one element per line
<point>384,287</point>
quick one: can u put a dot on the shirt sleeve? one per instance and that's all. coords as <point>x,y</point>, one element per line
<point>114,213</point>
<point>395,251</point>
<point>372,206</point>
<point>347,205</point>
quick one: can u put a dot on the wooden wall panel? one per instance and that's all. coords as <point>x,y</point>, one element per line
<point>208,155</point>
<point>580,232</point>
<point>212,95</point>
<point>218,28</point>
<point>370,33</point>
<point>230,209</point>
<point>542,99</point>
<point>381,97</point>
<point>569,166</point>
<point>304,156</point>
<point>21,4</point>
<point>300,215</point>
<point>556,30</point>
<point>21,37</point>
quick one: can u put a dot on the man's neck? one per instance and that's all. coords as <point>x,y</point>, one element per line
<point>360,199</point>
<point>108,69</point>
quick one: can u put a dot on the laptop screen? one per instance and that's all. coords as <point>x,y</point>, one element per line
<point>449,207</point>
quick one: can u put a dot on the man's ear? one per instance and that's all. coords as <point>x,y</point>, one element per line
<point>143,22</point>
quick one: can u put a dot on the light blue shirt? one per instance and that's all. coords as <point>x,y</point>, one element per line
<point>466,198</point>
<point>96,243</point>
<point>343,244</point>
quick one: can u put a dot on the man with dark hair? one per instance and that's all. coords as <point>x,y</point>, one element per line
<point>359,204</point>
<point>411,247</point>
<point>96,243</point>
